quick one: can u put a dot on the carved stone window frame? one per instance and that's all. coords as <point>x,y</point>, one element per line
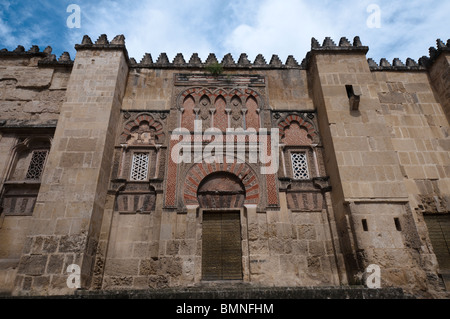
<point>19,191</point>
<point>310,163</point>
<point>299,166</point>
<point>138,163</point>
<point>37,164</point>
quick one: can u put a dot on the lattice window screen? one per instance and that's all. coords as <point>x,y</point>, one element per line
<point>299,166</point>
<point>139,167</point>
<point>36,165</point>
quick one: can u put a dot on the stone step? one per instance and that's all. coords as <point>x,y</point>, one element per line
<point>246,293</point>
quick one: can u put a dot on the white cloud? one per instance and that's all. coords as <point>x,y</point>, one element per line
<point>21,25</point>
<point>286,27</point>
<point>10,40</point>
<point>410,29</point>
<point>283,27</point>
<point>153,27</point>
<point>5,34</point>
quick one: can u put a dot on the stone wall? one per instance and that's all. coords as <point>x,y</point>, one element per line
<point>163,248</point>
<point>374,142</point>
<point>151,88</point>
<point>365,152</point>
<point>68,214</point>
<point>31,96</point>
<point>31,93</point>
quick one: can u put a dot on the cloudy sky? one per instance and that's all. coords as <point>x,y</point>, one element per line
<point>391,29</point>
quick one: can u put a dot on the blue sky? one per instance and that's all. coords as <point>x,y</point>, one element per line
<point>283,27</point>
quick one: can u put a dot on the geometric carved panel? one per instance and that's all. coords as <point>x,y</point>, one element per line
<point>144,130</point>
<point>300,169</point>
<point>139,168</point>
<point>36,165</point>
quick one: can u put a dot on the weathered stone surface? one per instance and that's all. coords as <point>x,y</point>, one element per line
<point>33,265</point>
<point>158,282</point>
<point>116,267</point>
<point>55,264</point>
<point>73,244</point>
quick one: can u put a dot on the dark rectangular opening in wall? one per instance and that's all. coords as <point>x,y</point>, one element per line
<point>397,224</point>
<point>364,225</point>
<point>350,91</point>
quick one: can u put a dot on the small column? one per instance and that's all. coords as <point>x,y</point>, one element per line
<point>197,112</point>
<point>180,117</point>
<point>316,163</point>
<point>158,152</point>
<point>212,111</point>
<point>258,113</point>
<point>282,146</point>
<point>228,111</point>
<point>122,161</point>
<point>244,121</point>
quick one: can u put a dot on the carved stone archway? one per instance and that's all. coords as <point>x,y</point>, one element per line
<point>221,190</point>
<point>237,172</point>
<point>221,196</point>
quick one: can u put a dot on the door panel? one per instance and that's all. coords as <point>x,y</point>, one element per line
<point>439,232</point>
<point>221,246</point>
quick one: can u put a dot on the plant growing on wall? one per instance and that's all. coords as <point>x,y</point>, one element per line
<point>214,68</point>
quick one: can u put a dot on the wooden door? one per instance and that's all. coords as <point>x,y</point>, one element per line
<point>221,246</point>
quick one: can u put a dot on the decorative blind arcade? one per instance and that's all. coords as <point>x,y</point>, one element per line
<point>36,165</point>
<point>299,166</point>
<point>139,168</point>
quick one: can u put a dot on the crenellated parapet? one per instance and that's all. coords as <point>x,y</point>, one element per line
<point>411,65</point>
<point>102,43</point>
<point>46,58</point>
<point>396,65</point>
<point>228,62</point>
<point>343,46</point>
<point>328,46</point>
<point>50,60</point>
<point>260,62</point>
<point>20,51</point>
<point>434,53</point>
